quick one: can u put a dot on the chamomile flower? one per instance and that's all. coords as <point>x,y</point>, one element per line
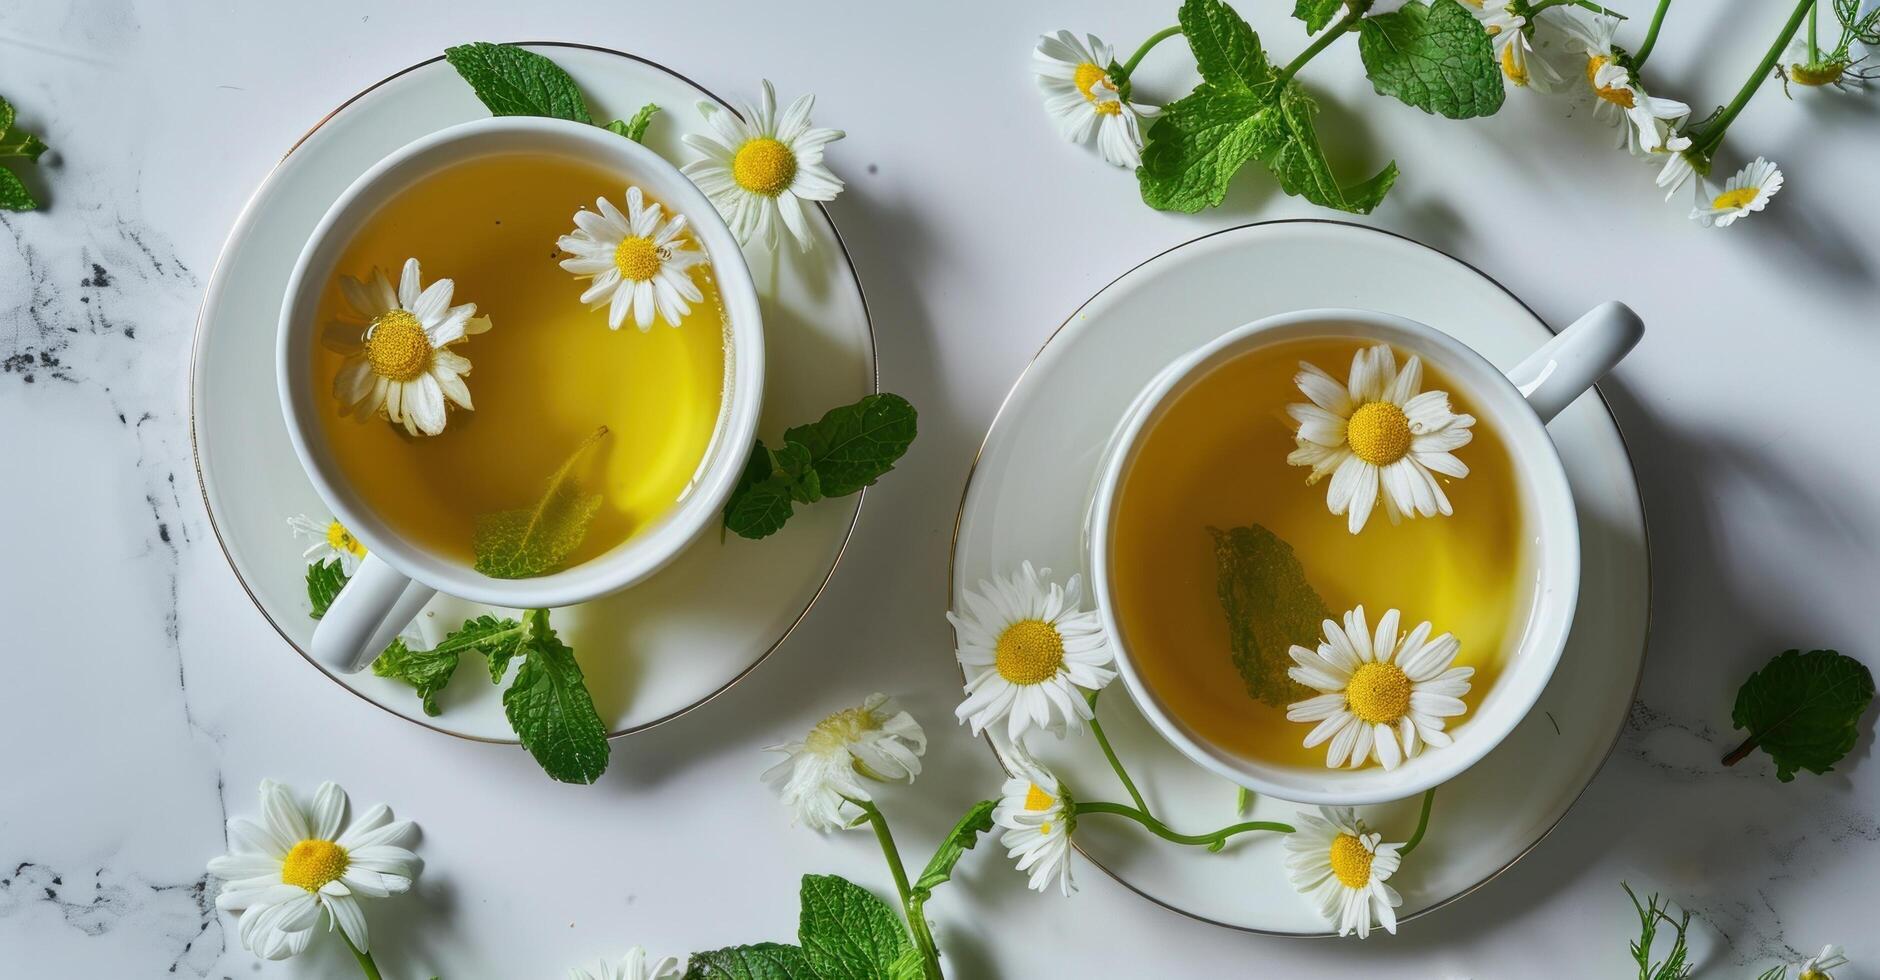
<point>1589,38</point>
<point>759,169</point>
<point>1514,47</point>
<point>1816,967</point>
<point>1343,867</point>
<point>1079,92</point>
<point>1822,71</point>
<point>1747,190</point>
<point>299,865</point>
<point>637,262</point>
<point>820,773</point>
<point>327,540</point>
<point>398,362</point>
<point>1678,169</point>
<point>635,966</point>
<point>1385,693</point>
<point>1038,816</point>
<point>1378,429</point>
<point>1029,653</point>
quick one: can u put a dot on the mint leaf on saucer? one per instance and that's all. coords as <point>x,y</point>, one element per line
<point>324,580</point>
<point>635,128</point>
<point>847,933</point>
<point>426,670</point>
<point>1316,13</point>
<point>977,820</point>
<point>498,640</point>
<point>1804,709</point>
<point>1436,57</point>
<point>549,707</point>
<point>514,81</point>
<point>760,961</point>
<point>528,542</point>
<point>847,449</point>
<point>1269,607</point>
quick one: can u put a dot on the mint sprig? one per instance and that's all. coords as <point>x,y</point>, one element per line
<point>549,707</point>
<point>1316,13</point>
<point>324,580</point>
<point>847,449</point>
<point>758,961</point>
<point>426,670</point>
<point>1436,57</point>
<point>635,128</point>
<point>847,933</point>
<point>1804,709</point>
<point>514,81</point>
<point>18,143</point>
<point>965,834</point>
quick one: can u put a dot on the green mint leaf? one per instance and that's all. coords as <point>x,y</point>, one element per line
<point>635,128</point>
<point>6,115</point>
<point>910,965</point>
<point>977,820</point>
<point>1226,49</point>
<point>535,541</point>
<point>1316,13</point>
<point>498,640</point>
<point>20,143</point>
<point>512,81</point>
<point>1804,709</point>
<point>762,961</point>
<point>426,670</point>
<point>853,446</point>
<point>1197,146</point>
<point>794,462</point>
<point>1269,607</point>
<point>1436,57</point>
<point>760,509</point>
<point>324,580</point>
<point>1301,166</point>
<point>847,933</point>
<point>549,707</point>
<point>13,193</point>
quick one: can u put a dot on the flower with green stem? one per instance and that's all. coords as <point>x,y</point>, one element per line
<point>1810,65</point>
<point>1082,91</point>
<point>1512,35</point>
<point>1345,866</point>
<point>822,775</point>
<point>913,899</point>
<point>1747,191</point>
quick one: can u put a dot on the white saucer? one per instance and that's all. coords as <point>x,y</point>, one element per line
<point>651,653</point>
<point>1025,500</point>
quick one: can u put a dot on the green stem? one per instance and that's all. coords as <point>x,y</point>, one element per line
<point>1706,145</point>
<point>1136,59</point>
<point>366,965</point>
<point>1814,41</point>
<point>1651,35</point>
<point>1345,24</point>
<point>1423,824</point>
<point>1588,4</point>
<point>911,906</point>
<point>1116,764</point>
<point>1213,841</point>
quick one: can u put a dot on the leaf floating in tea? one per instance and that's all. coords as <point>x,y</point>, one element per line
<point>535,541</point>
<point>1269,607</point>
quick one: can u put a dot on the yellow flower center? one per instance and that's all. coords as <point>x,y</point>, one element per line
<point>1379,433</point>
<point>397,346</point>
<point>341,540</point>
<point>1378,693</point>
<point>1617,96</point>
<point>1812,974</point>
<point>1823,73</point>
<point>1037,800</point>
<point>1741,197</point>
<point>637,258</point>
<point>1030,651</point>
<point>1109,107</point>
<point>1351,862</point>
<point>314,863</point>
<point>1516,71</point>
<point>1088,77</point>
<point>838,730</point>
<point>764,166</point>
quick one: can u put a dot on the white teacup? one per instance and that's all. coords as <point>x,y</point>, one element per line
<point>398,576</point>
<point>1518,406</point>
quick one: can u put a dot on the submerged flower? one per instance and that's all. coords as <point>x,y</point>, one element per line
<point>296,864</point>
<point>819,774</point>
<point>1816,967</point>
<point>328,541</point>
<point>1085,100</point>
<point>1749,189</point>
<point>760,169</point>
<point>635,966</point>
<point>636,262</point>
<point>1038,816</point>
<point>1029,653</point>
<point>1378,429</point>
<point>398,364</point>
<point>1386,693</point>
<point>1342,866</point>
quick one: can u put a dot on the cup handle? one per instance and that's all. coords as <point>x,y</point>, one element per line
<point>1564,367</point>
<point>377,602</point>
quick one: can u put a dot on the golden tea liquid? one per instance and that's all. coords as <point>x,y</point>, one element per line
<point>1217,459</point>
<point>546,375</point>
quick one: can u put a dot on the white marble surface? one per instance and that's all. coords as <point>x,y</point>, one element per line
<point>147,697</point>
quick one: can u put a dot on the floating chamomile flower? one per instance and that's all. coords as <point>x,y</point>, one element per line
<point>398,364</point>
<point>1343,866</point>
<point>636,263</point>
<point>1038,816</point>
<point>1514,49</point>
<point>1749,189</point>
<point>328,540</point>
<point>635,966</point>
<point>1029,653</point>
<point>760,169</point>
<point>1816,967</point>
<point>1085,100</point>
<point>298,863</point>
<point>1386,693</point>
<point>1378,429</point>
<point>873,741</point>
